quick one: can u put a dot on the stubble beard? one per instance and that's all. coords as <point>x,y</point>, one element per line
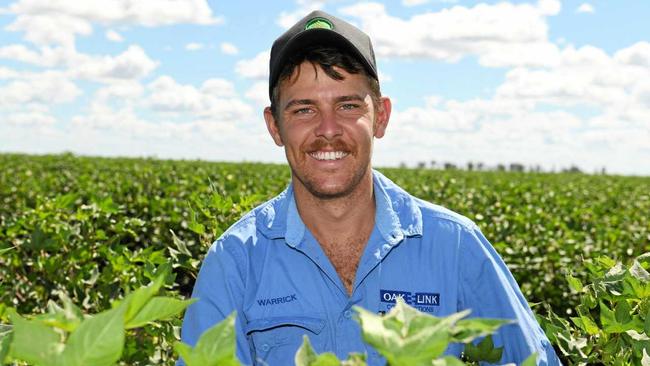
<point>312,186</point>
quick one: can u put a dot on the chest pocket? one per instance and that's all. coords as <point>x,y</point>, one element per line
<point>275,340</point>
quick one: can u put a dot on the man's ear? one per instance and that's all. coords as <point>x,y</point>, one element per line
<point>272,126</point>
<point>383,115</point>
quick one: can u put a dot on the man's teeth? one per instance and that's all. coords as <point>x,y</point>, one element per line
<point>328,155</point>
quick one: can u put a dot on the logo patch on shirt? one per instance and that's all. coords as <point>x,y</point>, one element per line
<point>422,301</point>
<point>277,300</point>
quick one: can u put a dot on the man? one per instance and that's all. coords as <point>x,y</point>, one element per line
<point>342,234</point>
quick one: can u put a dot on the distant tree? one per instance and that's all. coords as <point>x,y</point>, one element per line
<point>516,167</point>
<point>501,167</point>
<point>572,169</point>
<point>470,166</point>
<point>421,165</point>
<point>450,166</point>
<point>479,166</point>
<point>432,164</point>
<point>402,165</point>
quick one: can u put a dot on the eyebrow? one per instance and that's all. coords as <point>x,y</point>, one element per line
<point>343,98</point>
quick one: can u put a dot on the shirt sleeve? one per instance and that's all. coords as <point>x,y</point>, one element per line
<point>220,290</point>
<point>489,290</point>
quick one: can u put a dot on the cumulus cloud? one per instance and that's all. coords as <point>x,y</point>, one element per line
<point>501,34</point>
<point>585,8</point>
<point>50,87</point>
<point>229,48</point>
<point>133,63</point>
<point>215,98</point>
<point>255,68</point>
<point>591,109</point>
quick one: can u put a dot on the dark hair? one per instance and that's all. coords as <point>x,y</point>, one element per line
<point>326,57</point>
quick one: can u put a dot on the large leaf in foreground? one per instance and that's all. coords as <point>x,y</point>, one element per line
<point>97,341</point>
<point>215,347</point>
<point>34,342</point>
<point>158,308</point>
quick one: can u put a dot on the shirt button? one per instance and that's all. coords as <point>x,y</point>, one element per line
<point>265,347</point>
<point>347,314</point>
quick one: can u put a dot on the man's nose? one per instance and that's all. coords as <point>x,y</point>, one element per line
<point>328,125</point>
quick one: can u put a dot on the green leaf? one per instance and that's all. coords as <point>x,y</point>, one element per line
<point>467,330</point>
<point>483,351</point>
<point>137,299</point>
<point>180,245</point>
<point>589,325</point>
<point>305,356</point>
<point>574,283</point>
<point>622,312</point>
<point>215,347</point>
<point>5,343</point>
<point>158,308</point>
<point>97,341</point>
<point>406,336</point>
<point>34,342</point>
<point>5,250</point>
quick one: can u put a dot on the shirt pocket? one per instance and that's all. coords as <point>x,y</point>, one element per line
<point>276,340</point>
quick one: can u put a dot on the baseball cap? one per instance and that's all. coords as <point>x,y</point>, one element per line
<point>320,28</point>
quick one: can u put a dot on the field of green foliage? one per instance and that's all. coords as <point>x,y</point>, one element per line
<point>95,229</point>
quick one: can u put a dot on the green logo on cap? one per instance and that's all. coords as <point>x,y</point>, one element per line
<point>321,23</point>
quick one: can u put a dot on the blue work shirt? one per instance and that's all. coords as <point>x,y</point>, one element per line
<point>272,271</point>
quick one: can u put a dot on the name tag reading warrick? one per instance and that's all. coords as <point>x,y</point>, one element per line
<point>277,300</point>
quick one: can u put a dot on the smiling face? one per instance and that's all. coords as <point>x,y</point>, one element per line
<point>327,128</point>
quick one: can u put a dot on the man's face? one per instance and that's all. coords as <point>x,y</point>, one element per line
<point>327,128</point>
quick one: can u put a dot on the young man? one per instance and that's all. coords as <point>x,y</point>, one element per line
<point>342,234</point>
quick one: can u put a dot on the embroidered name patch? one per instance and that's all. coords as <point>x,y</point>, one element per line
<point>277,300</point>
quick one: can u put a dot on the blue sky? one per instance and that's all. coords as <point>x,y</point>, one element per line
<point>543,82</point>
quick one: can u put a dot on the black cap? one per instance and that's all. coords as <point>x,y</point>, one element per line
<point>320,28</point>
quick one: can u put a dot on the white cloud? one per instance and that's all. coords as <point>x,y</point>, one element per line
<point>414,2</point>
<point>50,87</point>
<point>229,48</point>
<point>51,29</point>
<point>58,22</point>
<point>501,34</point>
<point>113,36</point>
<point>591,109</point>
<point>255,68</point>
<point>193,46</point>
<point>585,8</point>
<point>133,63</point>
<point>215,99</point>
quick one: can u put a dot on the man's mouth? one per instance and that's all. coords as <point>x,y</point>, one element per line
<point>328,155</point>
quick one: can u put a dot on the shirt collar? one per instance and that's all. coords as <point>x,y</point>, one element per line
<point>397,215</point>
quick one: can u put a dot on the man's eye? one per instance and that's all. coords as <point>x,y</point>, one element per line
<point>349,106</point>
<point>302,111</point>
